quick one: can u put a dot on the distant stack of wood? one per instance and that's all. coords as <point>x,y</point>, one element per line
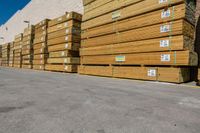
<point>5,54</point>
<point>64,43</point>
<point>148,39</point>
<point>40,45</point>
<point>0,55</point>
<point>11,55</point>
<point>18,50</point>
<point>27,47</point>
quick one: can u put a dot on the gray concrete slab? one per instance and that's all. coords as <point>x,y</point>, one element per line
<point>46,102</point>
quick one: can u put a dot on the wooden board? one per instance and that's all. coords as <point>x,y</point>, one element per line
<point>85,2</point>
<point>38,67</point>
<point>174,58</point>
<point>66,53</point>
<point>41,23</point>
<point>64,32</point>
<point>126,12</point>
<point>67,60</point>
<point>64,18</point>
<point>39,46</point>
<point>152,45</point>
<point>61,68</point>
<point>40,57</point>
<point>179,27</point>
<point>27,66</point>
<point>163,74</point>
<point>64,39</point>
<point>39,62</point>
<point>68,24</point>
<point>40,34</point>
<point>40,51</point>
<point>152,18</point>
<point>40,39</point>
<point>64,46</point>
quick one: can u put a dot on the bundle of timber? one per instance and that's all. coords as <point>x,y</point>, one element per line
<point>5,54</point>
<point>147,40</point>
<point>40,45</point>
<point>27,47</point>
<point>0,55</point>
<point>11,55</point>
<point>18,50</point>
<point>64,43</point>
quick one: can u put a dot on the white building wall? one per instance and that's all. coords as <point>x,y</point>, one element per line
<point>36,11</point>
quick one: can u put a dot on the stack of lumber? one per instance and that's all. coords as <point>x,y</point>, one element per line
<point>40,45</point>
<point>18,50</point>
<point>0,55</point>
<point>11,55</point>
<point>147,40</point>
<point>64,43</point>
<point>27,47</point>
<point>5,54</point>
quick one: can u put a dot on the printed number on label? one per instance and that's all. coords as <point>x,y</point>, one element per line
<point>165,13</point>
<point>164,43</point>
<point>165,28</point>
<point>151,72</point>
<point>165,57</point>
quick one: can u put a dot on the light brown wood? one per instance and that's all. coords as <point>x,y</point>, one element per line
<point>61,68</point>
<point>66,53</point>
<point>38,67</point>
<point>64,46</point>
<point>67,60</point>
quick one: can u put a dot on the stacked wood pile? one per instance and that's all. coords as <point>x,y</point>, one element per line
<point>18,50</point>
<point>27,47</point>
<point>0,55</point>
<point>11,55</point>
<point>64,43</point>
<point>147,40</point>
<point>5,54</point>
<point>40,45</point>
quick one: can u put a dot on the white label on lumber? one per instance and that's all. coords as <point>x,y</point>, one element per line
<point>165,57</point>
<point>65,61</point>
<point>66,38</point>
<point>162,1</point>
<point>151,73</point>
<point>66,67</point>
<point>59,19</point>
<point>116,14</point>
<point>63,53</point>
<point>41,50</point>
<point>165,13</point>
<point>120,58</point>
<point>165,28</point>
<point>164,43</point>
<point>66,24</point>
<point>67,31</point>
<point>66,45</point>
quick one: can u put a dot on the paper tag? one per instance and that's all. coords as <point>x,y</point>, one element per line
<point>66,24</point>
<point>66,38</point>
<point>165,13</point>
<point>162,1</point>
<point>66,67</point>
<point>116,14</point>
<point>66,45</point>
<point>120,58</point>
<point>63,53</point>
<point>164,43</point>
<point>165,57</point>
<point>59,19</point>
<point>67,31</point>
<point>65,61</point>
<point>165,28</point>
<point>151,73</point>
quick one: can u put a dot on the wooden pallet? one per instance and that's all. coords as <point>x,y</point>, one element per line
<point>163,74</point>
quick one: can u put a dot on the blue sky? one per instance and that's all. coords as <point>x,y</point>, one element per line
<point>9,7</point>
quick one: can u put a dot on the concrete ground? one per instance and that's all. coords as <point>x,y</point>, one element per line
<point>46,102</point>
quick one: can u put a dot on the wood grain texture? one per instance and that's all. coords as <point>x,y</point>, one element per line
<point>61,68</point>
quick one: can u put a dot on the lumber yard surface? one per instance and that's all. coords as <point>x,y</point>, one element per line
<point>45,102</point>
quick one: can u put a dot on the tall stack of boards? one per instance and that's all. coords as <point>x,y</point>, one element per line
<point>11,55</point>
<point>18,51</point>
<point>5,54</point>
<point>138,39</point>
<point>64,43</point>
<point>0,55</point>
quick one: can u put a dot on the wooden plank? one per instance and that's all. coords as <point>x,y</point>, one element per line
<point>174,58</point>
<point>65,17</point>
<point>152,18</point>
<point>61,68</point>
<point>66,53</point>
<point>39,62</point>
<point>27,66</point>
<point>64,46</point>
<point>40,57</point>
<point>40,34</point>
<point>40,51</point>
<point>40,39</point>
<point>152,45</point>
<point>38,67</point>
<point>179,27</point>
<point>41,23</point>
<point>68,24</point>
<point>39,46</point>
<point>67,60</point>
<point>85,2</point>
<point>64,39</point>
<point>96,70</point>
<point>129,11</point>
